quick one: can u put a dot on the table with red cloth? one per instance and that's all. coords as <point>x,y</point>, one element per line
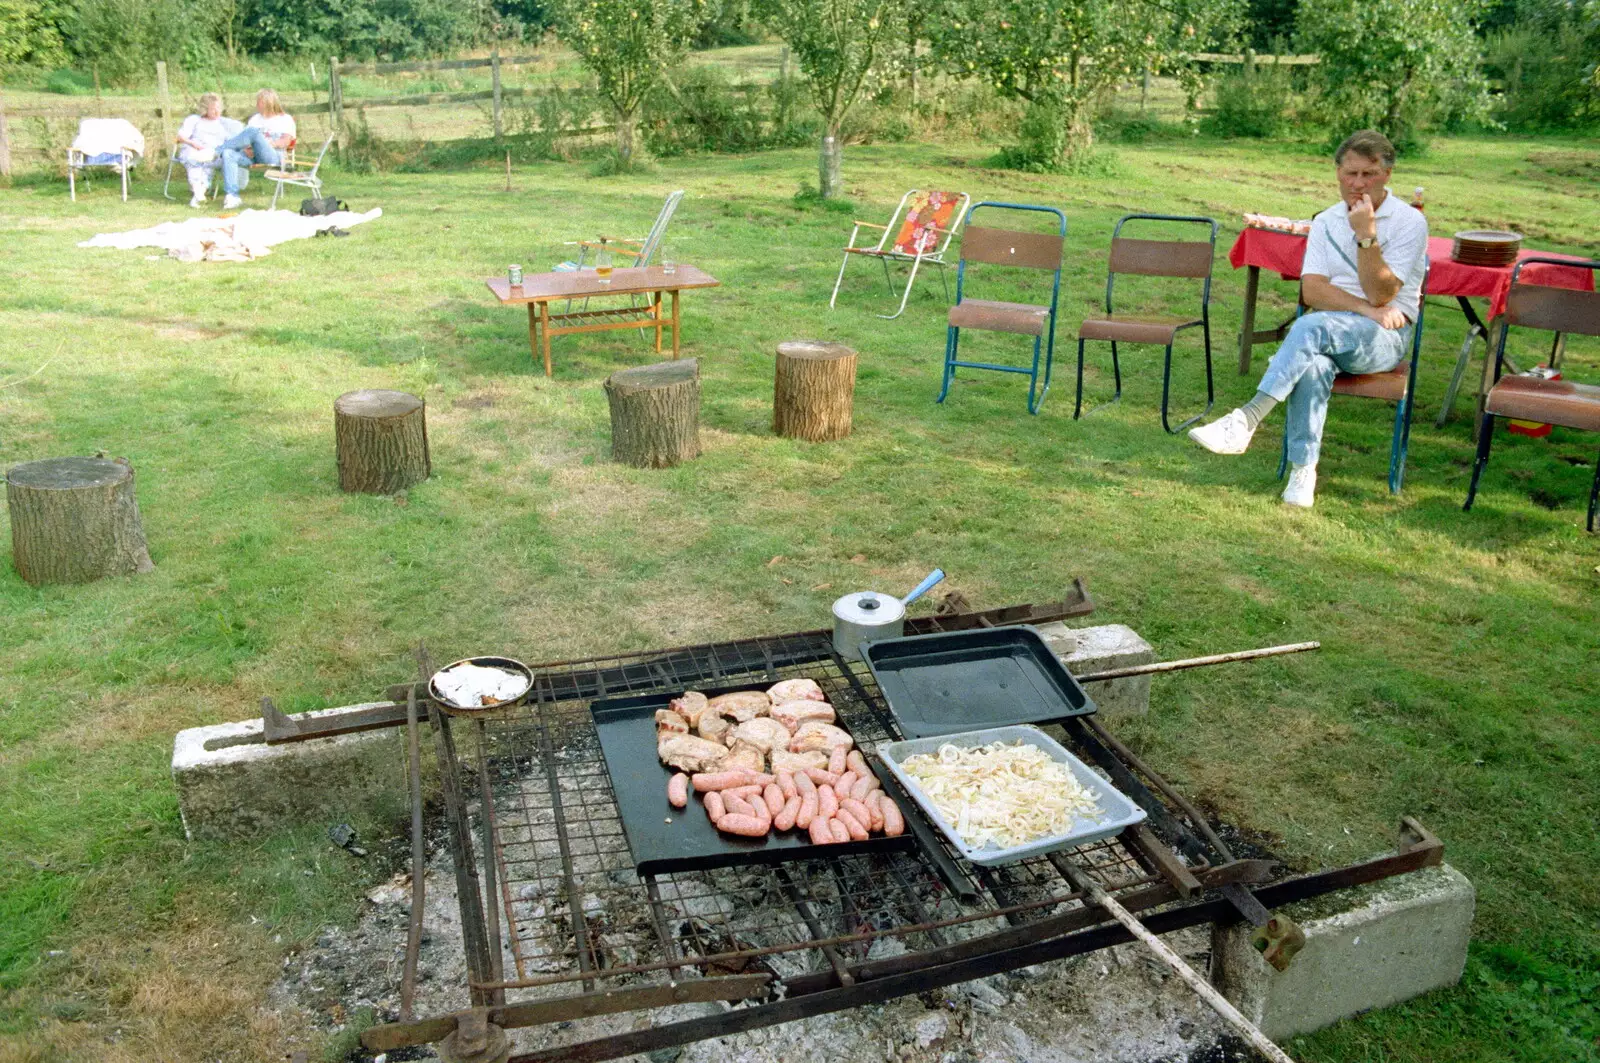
<point>1283,253</point>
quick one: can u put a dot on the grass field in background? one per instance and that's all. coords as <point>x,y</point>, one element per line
<point>1457,680</point>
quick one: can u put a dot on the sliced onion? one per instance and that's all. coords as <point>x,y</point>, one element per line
<point>1004,794</point>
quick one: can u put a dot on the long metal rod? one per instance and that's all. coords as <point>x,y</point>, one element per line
<point>580,928</point>
<point>1215,1000</point>
<point>491,858</point>
<point>408,977</point>
<point>1196,662</point>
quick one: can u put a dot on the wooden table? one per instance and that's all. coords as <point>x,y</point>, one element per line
<point>539,290</point>
<point>1283,253</point>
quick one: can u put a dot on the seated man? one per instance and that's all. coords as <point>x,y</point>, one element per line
<point>268,133</point>
<point>1362,278</point>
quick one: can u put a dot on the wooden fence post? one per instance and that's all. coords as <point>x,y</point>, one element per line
<point>165,106</point>
<point>5,143</point>
<point>335,100</point>
<point>494,73</point>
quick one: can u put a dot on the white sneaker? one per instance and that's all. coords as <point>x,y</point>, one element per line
<point>1229,434</point>
<point>232,203</point>
<point>196,203</point>
<point>1302,489</point>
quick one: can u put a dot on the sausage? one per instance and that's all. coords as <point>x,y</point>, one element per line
<point>874,803</point>
<point>749,826</point>
<point>787,815</point>
<point>786,784</point>
<point>748,791</point>
<point>841,833</point>
<point>737,806</point>
<point>855,762</point>
<point>678,790</point>
<point>820,777</point>
<point>808,809</point>
<point>837,760</point>
<point>705,782</point>
<point>862,814</point>
<point>845,784</point>
<point>714,806</point>
<point>864,786</point>
<point>894,824</point>
<point>827,802</point>
<point>774,798</point>
<point>821,834</point>
<point>858,832</point>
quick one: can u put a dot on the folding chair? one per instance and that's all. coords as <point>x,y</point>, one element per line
<point>1154,258</point>
<point>1398,385</point>
<point>1558,402</point>
<point>93,146</point>
<point>288,172</point>
<point>641,251</point>
<point>1006,248</point>
<point>923,236</point>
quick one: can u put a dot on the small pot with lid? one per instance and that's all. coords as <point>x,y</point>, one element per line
<point>865,616</point>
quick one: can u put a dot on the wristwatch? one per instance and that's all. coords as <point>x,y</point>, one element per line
<point>1371,241</point>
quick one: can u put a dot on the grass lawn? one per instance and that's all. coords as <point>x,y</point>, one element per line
<point>1457,683</point>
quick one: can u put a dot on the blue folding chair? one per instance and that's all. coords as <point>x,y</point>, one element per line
<point>1003,247</point>
<point>1398,385</point>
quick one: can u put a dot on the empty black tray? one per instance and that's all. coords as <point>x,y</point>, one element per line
<point>971,680</point>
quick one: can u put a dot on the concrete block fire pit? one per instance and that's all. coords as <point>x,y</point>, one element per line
<point>1101,648</point>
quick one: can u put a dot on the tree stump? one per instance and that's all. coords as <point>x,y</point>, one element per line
<point>74,520</point>
<point>814,390</point>
<point>382,441</point>
<point>655,414</point>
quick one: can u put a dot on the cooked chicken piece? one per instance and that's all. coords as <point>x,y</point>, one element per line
<point>746,756</point>
<point>796,690</point>
<point>713,727</point>
<point>669,722</point>
<point>783,760</point>
<point>763,732</point>
<point>814,734</point>
<point>794,713</point>
<point>742,705</point>
<point>691,754</point>
<point>690,706</point>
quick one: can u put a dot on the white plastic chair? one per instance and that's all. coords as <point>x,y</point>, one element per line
<point>298,178</point>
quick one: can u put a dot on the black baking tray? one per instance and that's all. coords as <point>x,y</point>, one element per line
<point>971,680</point>
<point>627,730</point>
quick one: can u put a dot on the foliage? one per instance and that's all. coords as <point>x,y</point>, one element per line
<point>841,48</point>
<point>1267,22</point>
<point>1547,63</point>
<point>729,23</point>
<point>1252,101</point>
<point>123,39</point>
<point>1397,66</point>
<point>1064,56</point>
<point>627,44</point>
<point>29,32</point>
<point>361,29</point>
<point>698,109</point>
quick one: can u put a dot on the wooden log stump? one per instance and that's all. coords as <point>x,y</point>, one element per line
<point>74,520</point>
<point>814,390</point>
<point>655,414</point>
<point>382,441</point>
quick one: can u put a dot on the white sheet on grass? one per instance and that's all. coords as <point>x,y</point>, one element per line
<point>249,235</point>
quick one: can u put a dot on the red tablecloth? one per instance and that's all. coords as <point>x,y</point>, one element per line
<point>1284,252</point>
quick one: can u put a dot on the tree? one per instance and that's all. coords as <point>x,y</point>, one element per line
<point>1062,57</point>
<point>841,46</point>
<point>627,45</point>
<point>1393,65</point>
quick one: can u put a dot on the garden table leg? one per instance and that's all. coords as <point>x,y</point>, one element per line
<point>533,331</point>
<point>674,322</point>
<point>657,315</point>
<point>1247,329</point>
<point>544,332</point>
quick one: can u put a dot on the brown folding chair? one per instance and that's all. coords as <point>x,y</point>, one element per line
<point>1153,258</point>
<point>1558,402</point>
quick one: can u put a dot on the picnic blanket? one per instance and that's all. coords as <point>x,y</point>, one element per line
<point>249,235</point>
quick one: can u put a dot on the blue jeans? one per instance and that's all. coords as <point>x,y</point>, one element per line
<point>236,164</point>
<point>1321,345</point>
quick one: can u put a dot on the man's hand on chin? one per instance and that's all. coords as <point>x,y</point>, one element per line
<point>1363,218</point>
<point>1386,316</point>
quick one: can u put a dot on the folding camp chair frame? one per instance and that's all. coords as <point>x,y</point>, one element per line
<point>934,257</point>
<point>952,341</point>
<point>308,179</point>
<point>642,251</point>
<point>75,162</point>
<point>1404,409</point>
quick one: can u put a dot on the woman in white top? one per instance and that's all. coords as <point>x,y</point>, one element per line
<point>265,137</point>
<point>200,140</point>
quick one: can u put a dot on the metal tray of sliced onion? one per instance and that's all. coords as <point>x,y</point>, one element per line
<point>982,792</point>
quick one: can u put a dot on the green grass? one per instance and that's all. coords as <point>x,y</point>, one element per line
<point>1457,680</point>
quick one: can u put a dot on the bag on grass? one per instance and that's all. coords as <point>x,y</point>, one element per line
<point>315,208</point>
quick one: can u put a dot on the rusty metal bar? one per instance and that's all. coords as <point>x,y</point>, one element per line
<point>668,946</point>
<point>492,863</point>
<point>408,977</point>
<point>1197,662</point>
<point>800,905</point>
<point>580,928</point>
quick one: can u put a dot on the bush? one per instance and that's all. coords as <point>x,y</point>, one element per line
<point>1547,74</point>
<point>1251,103</point>
<point>67,82</point>
<point>700,110</point>
<point>540,122</point>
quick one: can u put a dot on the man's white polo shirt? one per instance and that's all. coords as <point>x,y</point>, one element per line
<point>1402,238</point>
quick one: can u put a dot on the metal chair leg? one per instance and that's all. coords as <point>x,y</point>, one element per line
<point>945,284</point>
<point>1397,472</point>
<point>1594,496</point>
<point>1485,438</point>
<point>952,341</point>
<point>1077,405</point>
<point>1033,381</point>
<point>837,281</point>
<point>1283,460</point>
<point>906,295</point>
<point>1116,373</point>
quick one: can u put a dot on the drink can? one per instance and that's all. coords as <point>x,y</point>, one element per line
<point>514,275</point>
